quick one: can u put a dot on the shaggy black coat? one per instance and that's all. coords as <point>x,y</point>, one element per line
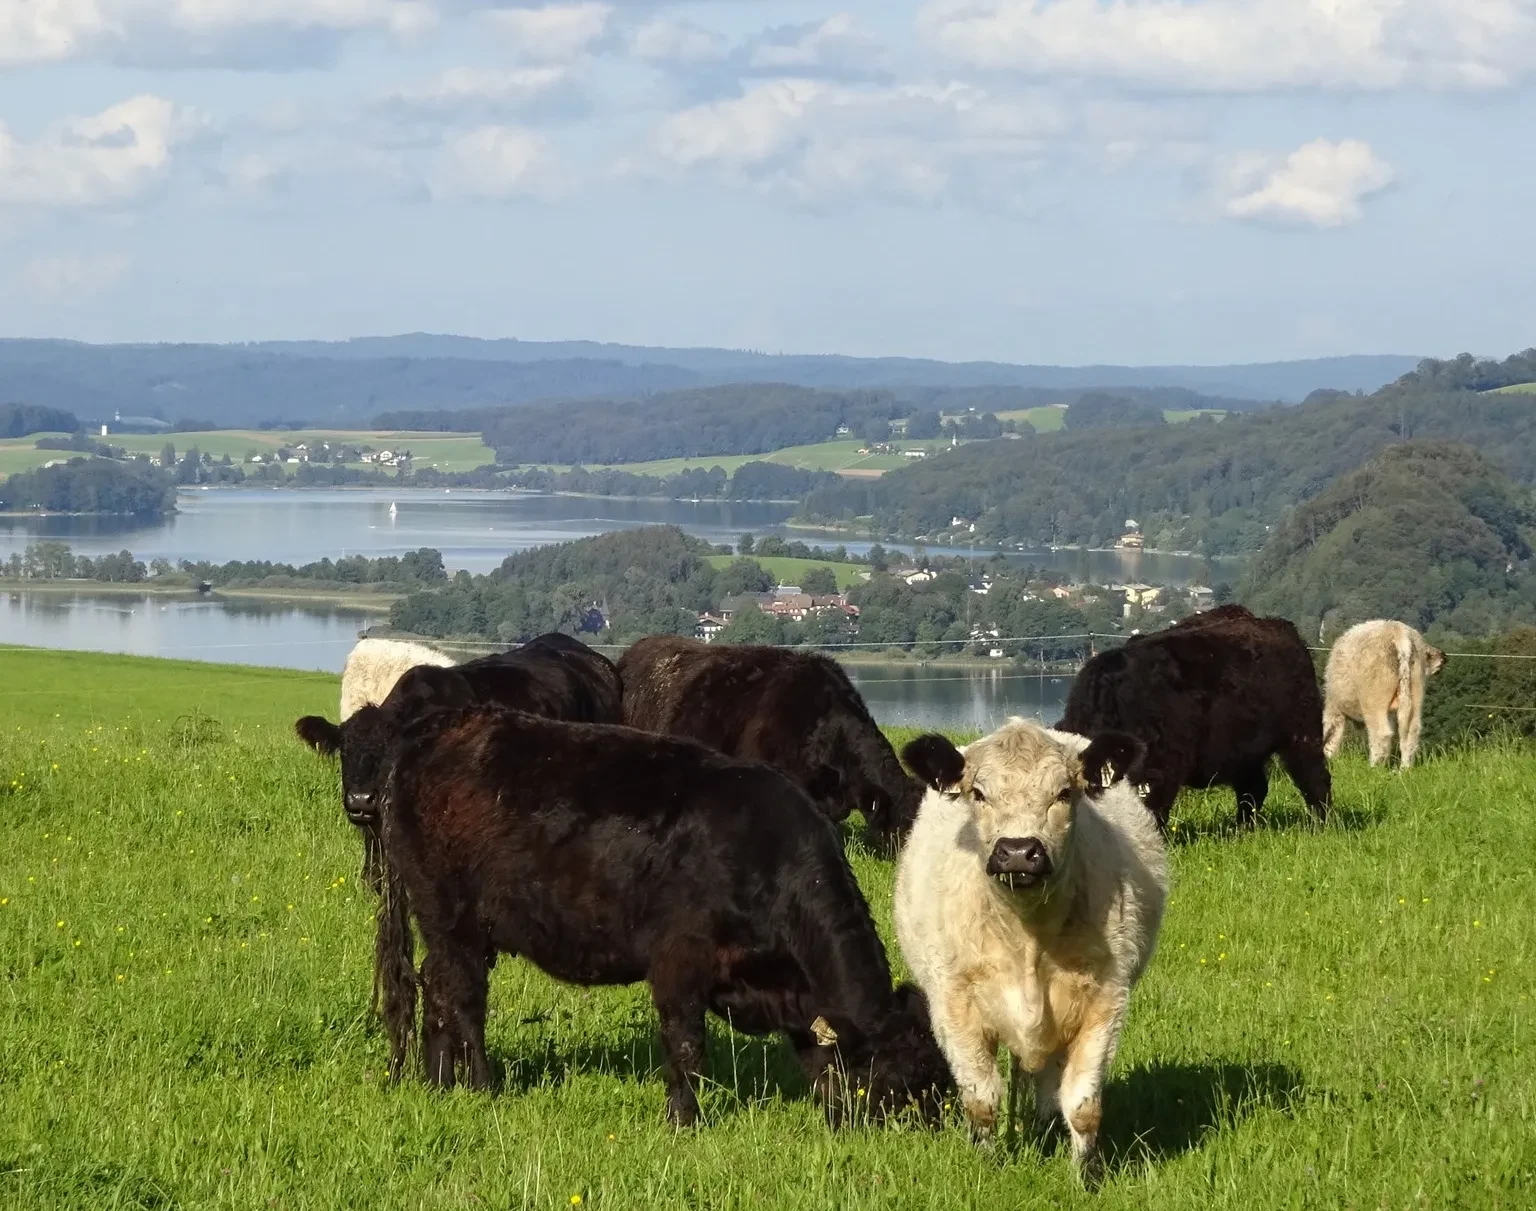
<point>608,856</point>
<point>1213,698</point>
<point>553,675</point>
<point>795,711</point>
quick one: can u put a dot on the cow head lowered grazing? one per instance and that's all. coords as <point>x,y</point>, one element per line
<point>606,855</point>
<point>1028,900</point>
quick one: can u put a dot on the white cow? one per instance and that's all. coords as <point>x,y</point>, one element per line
<point>1378,669</point>
<point>1028,901</point>
<point>374,666</point>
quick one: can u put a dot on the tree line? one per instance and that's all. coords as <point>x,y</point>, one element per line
<point>91,485</point>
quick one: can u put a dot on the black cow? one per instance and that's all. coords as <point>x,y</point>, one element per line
<point>795,711</point>
<point>608,856</point>
<point>553,675</point>
<point>1213,698</point>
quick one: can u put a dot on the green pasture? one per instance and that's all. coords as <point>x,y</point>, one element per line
<point>1049,418</point>
<point>788,570</point>
<point>1516,389</point>
<point>841,456</point>
<point>445,451</point>
<point>1336,1017</point>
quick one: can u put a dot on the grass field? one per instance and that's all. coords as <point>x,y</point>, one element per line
<point>1049,417</point>
<point>1336,1017</point>
<point>445,451</point>
<point>1517,389</point>
<point>787,570</point>
<point>841,456</point>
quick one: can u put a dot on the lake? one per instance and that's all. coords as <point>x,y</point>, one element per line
<point>319,637</point>
<point>477,530</point>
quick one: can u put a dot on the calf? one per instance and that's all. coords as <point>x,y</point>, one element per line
<point>608,856</point>
<point>1212,698</point>
<point>553,675</point>
<point>1028,901</point>
<point>1378,669</point>
<point>373,667</point>
<point>795,711</point>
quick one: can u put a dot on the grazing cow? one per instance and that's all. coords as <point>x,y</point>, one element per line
<point>1377,669</point>
<point>373,667</point>
<point>1028,901</point>
<point>608,856</point>
<point>553,675</point>
<point>1212,698</point>
<point>795,711</point>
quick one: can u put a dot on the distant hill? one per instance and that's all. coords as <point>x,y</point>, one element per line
<point>349,382</point>
<point>1431,533</point>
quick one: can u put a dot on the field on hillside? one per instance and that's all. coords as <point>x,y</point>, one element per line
<point>445,451</point>
<point>1517,389</point>
<point>841,456</point>
<point>1049,418</point>
<point>1336,1017</point>
<point>787,570</point>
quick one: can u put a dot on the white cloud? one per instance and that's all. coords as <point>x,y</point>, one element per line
<point>489,91</point>
<point>554,33</point>
<point>816,138</point>
<point>495,163</point>
<point>110,157</point>
<point>33,31</point>
<point>837,44</point>
<point>1322,184</point>
<point>58,278</point>
<point>668,42</point>
<point>1246,45</point>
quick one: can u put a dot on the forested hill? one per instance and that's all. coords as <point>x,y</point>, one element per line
<point>350,383</point>
<point>1206,486</point>
<point>1431,533</point>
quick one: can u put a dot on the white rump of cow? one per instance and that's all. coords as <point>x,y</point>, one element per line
<point>374,666</point>
<point>1028,902</point>
<point>1378,669</point>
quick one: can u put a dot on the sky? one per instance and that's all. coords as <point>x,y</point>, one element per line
<point>1046,181</point>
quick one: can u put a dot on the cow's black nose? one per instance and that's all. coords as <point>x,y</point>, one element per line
<point>359,805</point>
<point>1020,856</point>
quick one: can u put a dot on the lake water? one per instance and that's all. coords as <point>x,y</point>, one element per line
<point>477,530</point>
<point>473,530</point>
<point>319,637</point>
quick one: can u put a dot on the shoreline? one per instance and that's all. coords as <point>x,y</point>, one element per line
<point>373,603</point>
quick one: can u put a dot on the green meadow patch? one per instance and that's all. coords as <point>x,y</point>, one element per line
<point>1336,1016</point>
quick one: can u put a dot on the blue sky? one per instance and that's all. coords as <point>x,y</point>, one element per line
<point>1059,181</point>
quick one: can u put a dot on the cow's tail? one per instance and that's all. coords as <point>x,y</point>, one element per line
<point>394,958</point>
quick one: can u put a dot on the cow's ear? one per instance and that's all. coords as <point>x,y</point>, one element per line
<point>320,734</point>
<point>1111,756</point>
<point>935,760</point>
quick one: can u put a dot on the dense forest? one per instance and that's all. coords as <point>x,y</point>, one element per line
<point>90,485</point>
<point>1213,487</point>
<point>1430,533</point>
<point>18,420</point>
<point>750,481</point>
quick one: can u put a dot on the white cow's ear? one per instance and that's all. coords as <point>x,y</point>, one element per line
<point>935,760</point>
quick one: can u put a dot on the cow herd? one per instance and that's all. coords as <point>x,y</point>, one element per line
<point>673,820</point>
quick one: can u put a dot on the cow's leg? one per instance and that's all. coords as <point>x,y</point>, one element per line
<point>971,1051</point>
<point>1161,793</point>
<point>1048,1096</point>
<point>1082,1084</point>
<point>680,989</point>
<point>1409,719</point>
<point>456,979</point>
<point>1334,725</point>
<point>1308,768</point>
<point>1251,785</point>
<point>1378,728</point>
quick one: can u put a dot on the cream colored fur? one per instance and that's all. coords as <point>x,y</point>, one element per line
<point>374,666</point>
<point>1378,669</point>
<point>1047,971</point>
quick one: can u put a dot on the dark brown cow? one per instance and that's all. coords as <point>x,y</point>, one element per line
<point>795,711</point>
<point>1213,698</point>
<point>608,856</point>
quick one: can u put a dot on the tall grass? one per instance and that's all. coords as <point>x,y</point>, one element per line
<point>1337,1017</point>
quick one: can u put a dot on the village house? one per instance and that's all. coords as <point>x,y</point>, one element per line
<point>1201,597</point>
<point>709,626</point>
